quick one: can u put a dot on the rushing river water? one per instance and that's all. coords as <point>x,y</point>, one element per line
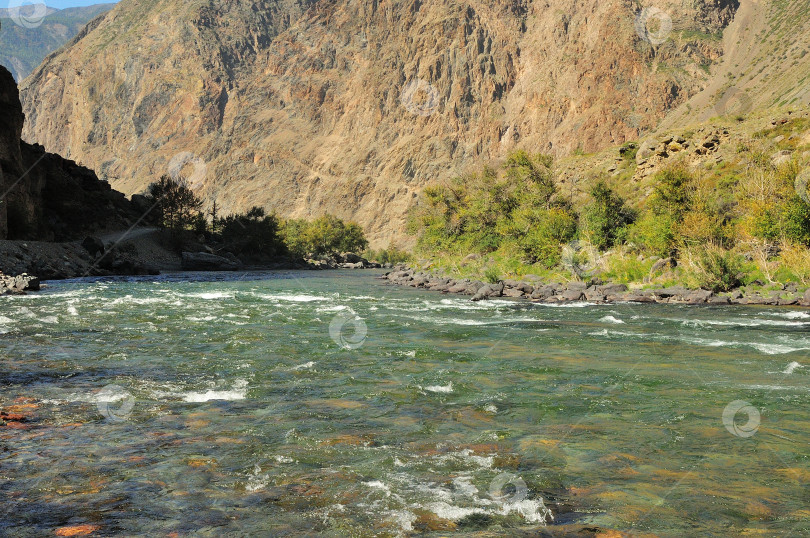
<point>332,404</point>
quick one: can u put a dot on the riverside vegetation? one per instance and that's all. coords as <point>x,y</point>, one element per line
<point>252,237</point>
<point>729,224</point>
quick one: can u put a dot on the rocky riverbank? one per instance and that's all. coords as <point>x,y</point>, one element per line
<point>596,291</point>
<point>57,261</point>
<point>139,252</point>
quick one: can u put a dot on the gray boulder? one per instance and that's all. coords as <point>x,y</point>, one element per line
<point>577,286</point>
<point>699,296</point>
<point>639,297</point>
<point>489,290</point>
<point>675,293</point>
<point>646,150</point>
<point>594,295</point>
<point>93,245</point>
<point>661,265</point>
<point>611,289</point>
<point>512,292</point>
<point>543,292</point>
<point>460,286</point>
<point>572,295</point>
<point>203,261</point>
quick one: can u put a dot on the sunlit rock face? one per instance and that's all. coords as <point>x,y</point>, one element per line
<point>351,107</point>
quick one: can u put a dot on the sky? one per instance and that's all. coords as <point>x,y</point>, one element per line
<point>59,4</point>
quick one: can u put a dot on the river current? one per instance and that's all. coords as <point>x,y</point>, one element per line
<point>331,404</point>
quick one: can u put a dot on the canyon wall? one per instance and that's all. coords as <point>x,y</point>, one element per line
<point>350,107</point>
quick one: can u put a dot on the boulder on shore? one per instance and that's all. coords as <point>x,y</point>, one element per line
<point>489,290</point>
<point>203,261</point>
<point>93,245</point>
<point>18,284</point>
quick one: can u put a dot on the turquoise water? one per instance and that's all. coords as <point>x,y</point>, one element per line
<point>331,404</point>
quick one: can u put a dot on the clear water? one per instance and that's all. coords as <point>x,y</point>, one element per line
<point>258,405</point>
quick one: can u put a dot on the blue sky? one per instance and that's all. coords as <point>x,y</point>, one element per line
<point>61,4</point>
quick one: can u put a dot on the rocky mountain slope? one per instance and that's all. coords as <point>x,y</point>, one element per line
<point>314,106</point>
<point>25,43</point>
<point>46,197</point>
<point>29,11</point>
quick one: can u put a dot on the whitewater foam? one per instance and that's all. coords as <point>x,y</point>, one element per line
<point>757,322</point>
<point>440,388</point>
<point>377,484</point>
<point>792,367</point>
<point>257,481</point>
<point>793,315</point>
<point>238,392</point>
<point>300,298</point>
<point>566,305</point>
<point>210,295</point>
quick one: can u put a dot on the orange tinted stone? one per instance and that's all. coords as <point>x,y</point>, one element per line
<point>610,534</point>
<point>77,530</point>
<point>18,426</point>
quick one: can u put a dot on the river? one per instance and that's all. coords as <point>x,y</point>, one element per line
<point>329,403</point>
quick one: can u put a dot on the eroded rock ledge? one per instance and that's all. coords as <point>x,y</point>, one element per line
<point>16,285</point>
<point>594,291</point>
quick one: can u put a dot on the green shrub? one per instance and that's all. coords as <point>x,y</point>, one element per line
<point>795,264</point>
<point>628,151</point>
<point>390,255</point>
<point>720,269</point>
<point>294,234</point>
<point>606,217</point>
<point>491,275</point>
<point>796,220</point>
<point>672,194</point>
<point>516,207</point>
<point>325,236</point>
<point>765,224</point>
<point>542,243</point>
<point>654,234</point>
<point>626,268</point>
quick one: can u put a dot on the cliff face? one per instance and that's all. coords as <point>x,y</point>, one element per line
<point>42,195</point>
<point>349,107</point>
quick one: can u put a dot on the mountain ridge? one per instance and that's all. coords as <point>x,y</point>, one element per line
<point>312,107</point>
<point>23,48</point>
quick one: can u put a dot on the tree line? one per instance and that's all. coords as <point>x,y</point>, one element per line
<point>254,233</point>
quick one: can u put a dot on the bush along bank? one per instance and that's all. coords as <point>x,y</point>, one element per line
<point>594,291</point>
<point>730,216</point>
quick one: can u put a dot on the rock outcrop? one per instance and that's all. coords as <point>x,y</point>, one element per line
<point>43,196</point>
<point>18,284</point>
<point>203,261</point>
<point>316,106</point>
